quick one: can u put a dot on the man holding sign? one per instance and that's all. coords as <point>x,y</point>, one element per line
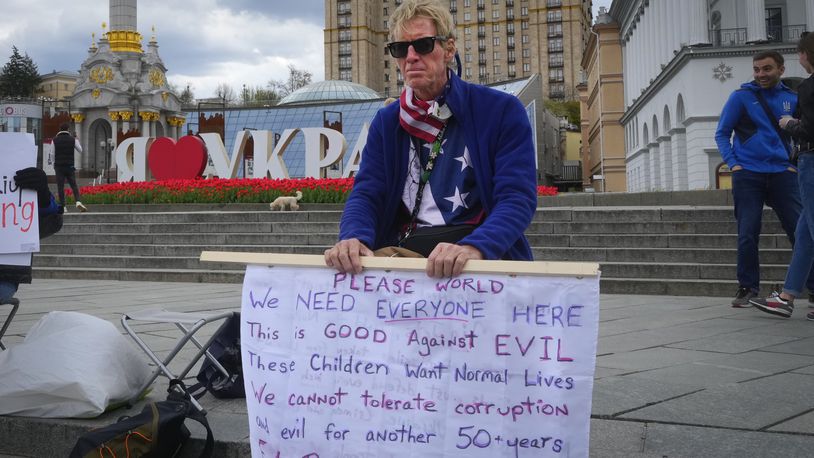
<point>448,172</point>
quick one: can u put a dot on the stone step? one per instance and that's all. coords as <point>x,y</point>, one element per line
<point>140,243</point>
<point>266,245</point>
<point>682,250</point>
<point>185,275</point>
<point>685,271</point>
<point>201,217</point>
<point>651,241</point>
<point>226,238</point>
<point>192,207</point>
<point>158,228</point>
<point>677,287</point>
<point>666,255</point>
<point>600,227</point>
<point>152,262</point>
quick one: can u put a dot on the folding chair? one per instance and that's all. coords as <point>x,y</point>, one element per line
<point>188,323</point>
<point>15,304</point>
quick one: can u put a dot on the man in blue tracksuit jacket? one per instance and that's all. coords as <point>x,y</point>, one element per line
<point>759,160</point>
<point>481,171</point>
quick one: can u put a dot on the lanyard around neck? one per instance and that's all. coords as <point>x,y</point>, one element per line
<point>435,150</point>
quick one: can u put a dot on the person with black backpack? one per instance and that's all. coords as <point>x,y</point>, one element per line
<point>64,146</point>
<point>758,156</point>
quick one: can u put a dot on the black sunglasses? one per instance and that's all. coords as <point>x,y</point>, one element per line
<point>398,49</point>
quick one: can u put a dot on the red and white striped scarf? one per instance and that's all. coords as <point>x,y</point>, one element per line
<point>417,117</point>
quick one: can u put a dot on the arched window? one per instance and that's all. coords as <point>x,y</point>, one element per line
<point>645,137</point>
<point>680,110</point>
<point>666,119</point>
<point>655,125</point>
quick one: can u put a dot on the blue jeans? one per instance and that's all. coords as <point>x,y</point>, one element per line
<point>750,191</point>
<point>802,257</point>
<point>7,290</point>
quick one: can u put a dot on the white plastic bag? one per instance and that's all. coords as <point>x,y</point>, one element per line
<point>69,365</point>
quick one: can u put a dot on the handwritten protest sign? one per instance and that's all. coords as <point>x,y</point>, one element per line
<point>19,221</point>
<point>392,363</point>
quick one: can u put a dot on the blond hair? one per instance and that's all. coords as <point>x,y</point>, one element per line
<point>432,9</point>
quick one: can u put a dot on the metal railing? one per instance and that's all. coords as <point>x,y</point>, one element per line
<point>570,174</point>
<point>738,36</point>
<point>785,34</point>
<point>728,37</point>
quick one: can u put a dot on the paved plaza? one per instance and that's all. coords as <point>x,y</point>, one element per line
<point>675,376</point>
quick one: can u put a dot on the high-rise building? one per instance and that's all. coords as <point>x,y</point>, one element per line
<point>497,40</point>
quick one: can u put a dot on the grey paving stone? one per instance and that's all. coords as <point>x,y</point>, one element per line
<point>650,358</point>
<point>805,370</point>
<point>804,424</point>
<point>616,438</point>
<point>615,395</point>
<point>765,363</point>
<point>752,405</point>
<point>686,441</point>
<point>700,374</point>
<point>798,347</point>
<point>734,342</point>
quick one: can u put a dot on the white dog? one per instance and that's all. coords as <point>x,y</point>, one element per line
<point>286,202</point>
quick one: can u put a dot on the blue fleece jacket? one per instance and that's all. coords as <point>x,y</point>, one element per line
<point>757,146</point>
<point>498,136</point>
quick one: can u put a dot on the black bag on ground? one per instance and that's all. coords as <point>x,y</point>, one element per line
<point>226,350</point>
<point>423,240</point>
<point>157,432</point>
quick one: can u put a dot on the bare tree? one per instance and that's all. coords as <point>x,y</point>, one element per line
<point>296,79</point>
<point>225,92</point>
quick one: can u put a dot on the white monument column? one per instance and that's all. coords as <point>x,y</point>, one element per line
<point>650,18</point>
<point>699,22</point>
<point>810,16</point>
<point>77,121</point>
<point>755,21</point>
<point>145,124</point>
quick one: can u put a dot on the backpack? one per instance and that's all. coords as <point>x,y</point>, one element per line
<point>225,348</point>
<point>157,432</point>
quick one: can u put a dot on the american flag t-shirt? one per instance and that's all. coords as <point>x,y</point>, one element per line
<point>450,197</point>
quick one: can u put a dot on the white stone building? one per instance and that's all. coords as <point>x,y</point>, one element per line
<point>681,61</point>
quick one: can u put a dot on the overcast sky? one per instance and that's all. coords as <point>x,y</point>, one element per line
<point>202,42</point>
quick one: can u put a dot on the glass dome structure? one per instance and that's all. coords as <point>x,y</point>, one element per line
<point>329,91</point>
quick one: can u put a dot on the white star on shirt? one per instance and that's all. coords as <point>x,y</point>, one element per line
<point>464,159</point>
<point>458,200</point>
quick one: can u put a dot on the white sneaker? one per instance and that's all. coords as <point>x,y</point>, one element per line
<point>81,207</point>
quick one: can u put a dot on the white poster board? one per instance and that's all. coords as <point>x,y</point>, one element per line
<point>19,219</point>
<point>392,363</point>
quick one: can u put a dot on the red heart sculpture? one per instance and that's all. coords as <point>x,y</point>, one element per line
<point>183,160</point>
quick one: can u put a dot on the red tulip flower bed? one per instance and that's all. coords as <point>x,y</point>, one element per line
<point>240,190</point>
<point>547,190</point>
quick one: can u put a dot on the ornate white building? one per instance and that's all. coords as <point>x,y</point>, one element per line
<point>121,92</point>
<point>681,61</point>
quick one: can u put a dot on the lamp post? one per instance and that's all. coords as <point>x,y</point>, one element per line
<point>107,148</point>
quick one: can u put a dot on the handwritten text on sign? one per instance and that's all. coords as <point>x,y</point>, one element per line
<point>394,363</point>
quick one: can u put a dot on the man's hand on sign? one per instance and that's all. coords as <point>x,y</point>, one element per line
<point>449,259</point>
<point>346,255</point>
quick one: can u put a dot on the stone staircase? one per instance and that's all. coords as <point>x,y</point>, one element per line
<point>665,245</point>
